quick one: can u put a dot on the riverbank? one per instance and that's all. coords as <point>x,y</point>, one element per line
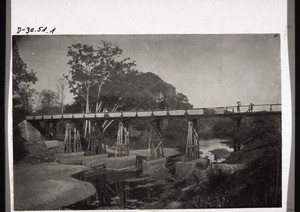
<point>48,186</point>
<point>248,178</point>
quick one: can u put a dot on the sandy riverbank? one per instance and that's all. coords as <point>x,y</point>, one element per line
<point>48,186</point>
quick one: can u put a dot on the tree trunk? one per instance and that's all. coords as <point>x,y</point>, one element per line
<point>98,104</point>
<point>87,110</point>
<point>62,106</point>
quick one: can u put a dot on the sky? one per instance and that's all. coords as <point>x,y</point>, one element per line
<point>211,70</point>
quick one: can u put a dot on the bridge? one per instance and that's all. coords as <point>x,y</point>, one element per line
<point>228,111</point>
<point>155,157</point>
<point>97,152</point>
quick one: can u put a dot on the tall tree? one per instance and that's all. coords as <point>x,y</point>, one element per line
<point>91,68</point>
<point>80,77</point>
<point>22,81</point>
<point>61,88</point>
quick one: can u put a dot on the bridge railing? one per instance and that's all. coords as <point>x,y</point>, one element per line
<point>259,108</point>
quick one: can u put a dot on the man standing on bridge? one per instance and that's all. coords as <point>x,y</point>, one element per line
<point>250,107</point>
<point>238,108</point>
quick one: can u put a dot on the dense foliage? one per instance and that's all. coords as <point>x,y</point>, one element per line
<point>22,81</point>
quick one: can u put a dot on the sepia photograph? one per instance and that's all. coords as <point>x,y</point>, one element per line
<point>148,121</point>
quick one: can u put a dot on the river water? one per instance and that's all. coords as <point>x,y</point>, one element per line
<point>206,146</point>
<point>108,183</point>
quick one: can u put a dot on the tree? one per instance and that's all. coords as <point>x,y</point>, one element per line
<point>48,102</point>
<point>91,68</point>
<point>22,81</point>
<point>182,101</point>
<point>61,88</point>
<point>49,98</point>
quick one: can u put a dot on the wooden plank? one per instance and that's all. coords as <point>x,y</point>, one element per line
<point>156,140</point>
<point>157,146</point>
<point>193,146</point>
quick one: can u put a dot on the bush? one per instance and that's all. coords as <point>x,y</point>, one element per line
<point>217,178</point>
<point>200,166</point>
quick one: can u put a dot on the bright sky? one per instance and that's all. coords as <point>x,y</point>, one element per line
<point>212,70</point>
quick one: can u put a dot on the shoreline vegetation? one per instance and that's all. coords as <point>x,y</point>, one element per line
<point>245,179</point>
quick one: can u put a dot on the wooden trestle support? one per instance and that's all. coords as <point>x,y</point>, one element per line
<point>236,133</point>
<point>72,139</point>
<point>95,145</point>
<point>155,144</point>
<point>122,141</point>
<point>50,130</point>
<point>192,144</point>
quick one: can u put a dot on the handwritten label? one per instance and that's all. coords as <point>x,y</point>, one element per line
<point>42,30</point>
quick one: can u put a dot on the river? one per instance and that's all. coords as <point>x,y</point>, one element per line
<point>206,146</point>
<point>141,189</point>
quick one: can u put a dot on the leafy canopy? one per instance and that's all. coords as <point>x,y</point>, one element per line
<point>20,73</point>
<point>91,68</point>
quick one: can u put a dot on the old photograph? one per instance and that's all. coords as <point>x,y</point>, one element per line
<point>149,121</point>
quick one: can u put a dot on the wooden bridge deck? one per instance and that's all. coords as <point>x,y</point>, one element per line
<point>229,111</point>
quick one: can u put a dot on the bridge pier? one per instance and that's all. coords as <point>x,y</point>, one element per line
<point>155,144</point>
<point>95,146</point>
<point>236,121</point>
<point>155,157</point>
<point>96,151</point>
<point>72,146</point>
<point>122,141</point>
<point>72,139</point>
<point>192,155</point>
<point>122,159</point>
<point>192,146</point>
